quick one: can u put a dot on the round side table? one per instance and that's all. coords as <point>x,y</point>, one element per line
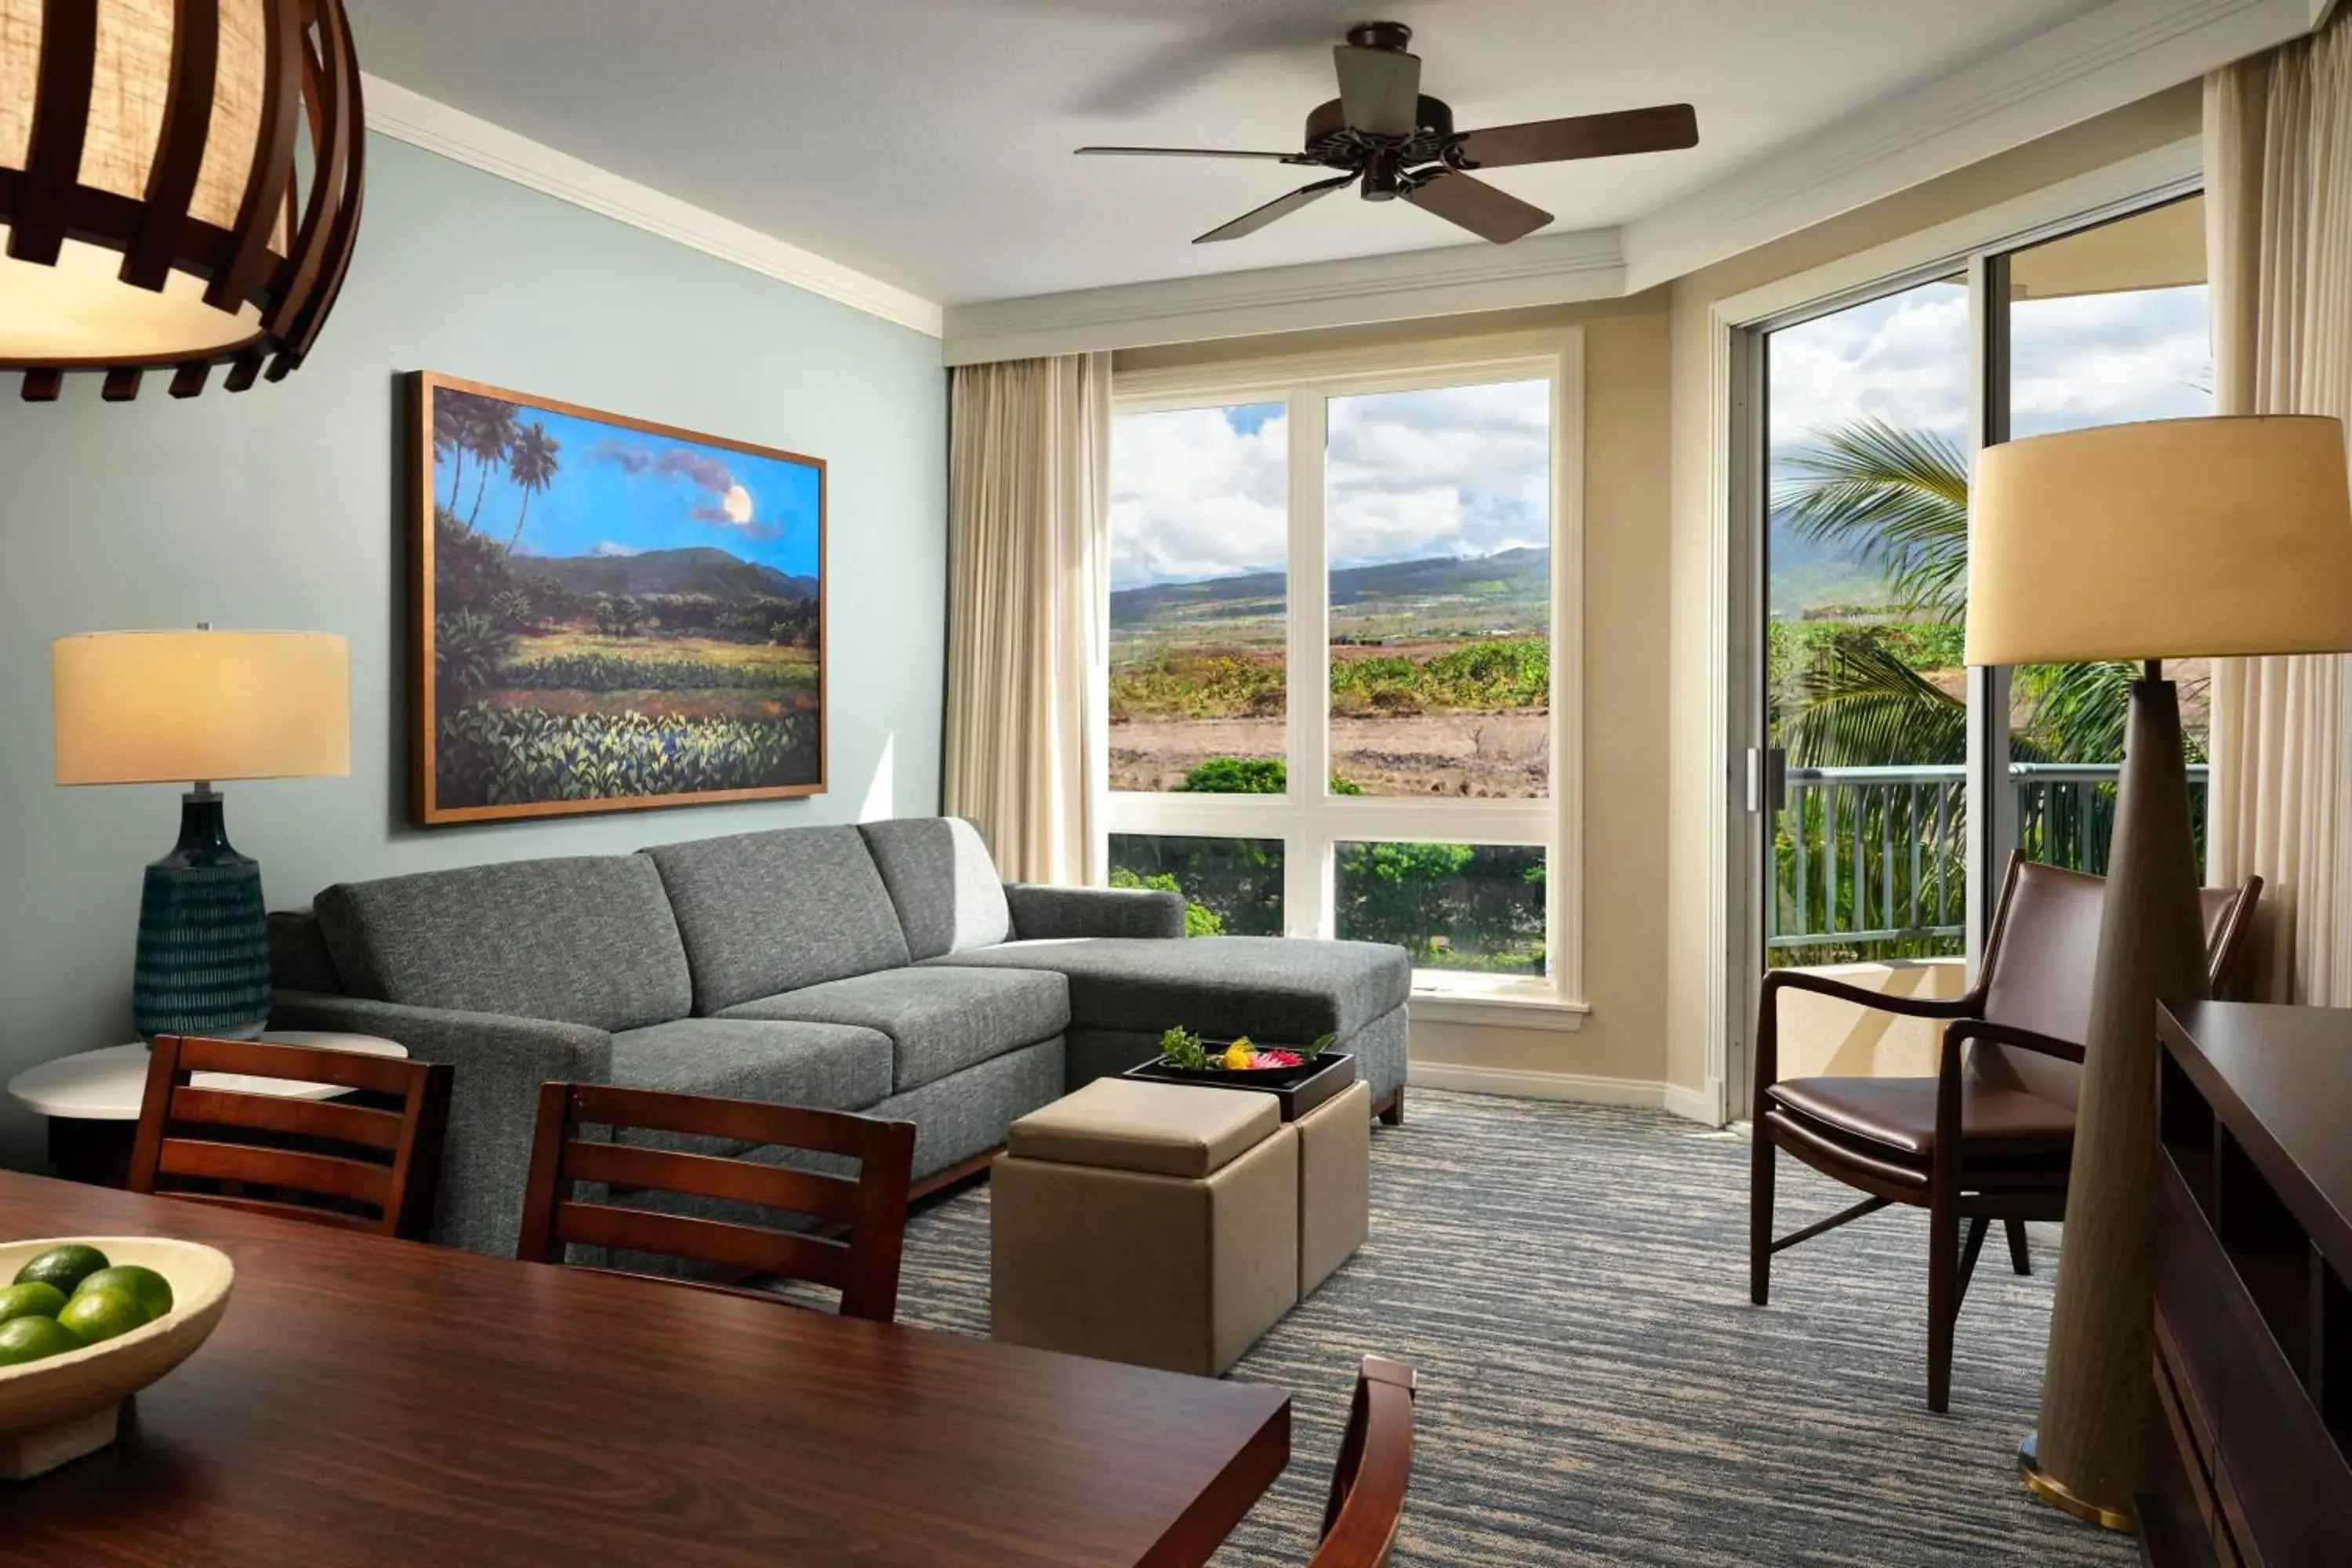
<point>93,1098</point>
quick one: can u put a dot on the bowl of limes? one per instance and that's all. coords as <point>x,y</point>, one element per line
<point>86,1324</point>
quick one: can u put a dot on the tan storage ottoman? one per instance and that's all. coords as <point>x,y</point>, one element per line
<point>1151,1223</point>
<point>1335,1183</point>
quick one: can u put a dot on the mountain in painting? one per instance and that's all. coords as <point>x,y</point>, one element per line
<point>704,570</point>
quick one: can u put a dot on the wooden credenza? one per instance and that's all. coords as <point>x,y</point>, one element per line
<point>2251,1459</point>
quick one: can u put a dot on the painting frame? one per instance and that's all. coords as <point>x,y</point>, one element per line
<point>428,807</point>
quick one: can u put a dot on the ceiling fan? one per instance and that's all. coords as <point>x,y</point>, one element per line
<point>1382,129</point>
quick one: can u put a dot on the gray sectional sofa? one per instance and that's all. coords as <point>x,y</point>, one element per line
<point>885,969</point>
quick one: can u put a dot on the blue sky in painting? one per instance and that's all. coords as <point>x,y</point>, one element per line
<point>620,491</point>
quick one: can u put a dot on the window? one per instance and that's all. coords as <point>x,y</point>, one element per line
<point>1866,700</point>
<point>1200,544</point>
<point>1341,700</point>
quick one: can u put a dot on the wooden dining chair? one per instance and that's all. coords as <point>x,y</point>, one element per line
<point>1990,1137</point>
<point>1374,1468</point>
<point>369,1166</point>
<point>862,1223</point>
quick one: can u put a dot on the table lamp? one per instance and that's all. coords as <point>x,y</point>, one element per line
<point>2176,538</point>
<point>199,707</point>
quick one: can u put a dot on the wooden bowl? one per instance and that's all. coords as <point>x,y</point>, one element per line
<point>67,1406</point>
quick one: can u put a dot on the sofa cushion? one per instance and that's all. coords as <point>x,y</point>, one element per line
<point>939,1021</point>
<point>824,1067</point>
<point>587,941</point>
<point>764,913</point>
<point>944,882</point>
<point>1274,988</point>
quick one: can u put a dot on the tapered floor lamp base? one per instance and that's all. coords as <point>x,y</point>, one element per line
<point>2053,1492</point>
<point>2097,1399</point>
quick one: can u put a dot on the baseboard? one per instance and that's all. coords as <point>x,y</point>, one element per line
<point>1518,1085</point>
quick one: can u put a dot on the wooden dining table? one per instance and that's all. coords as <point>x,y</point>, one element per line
<point>370,1401</point>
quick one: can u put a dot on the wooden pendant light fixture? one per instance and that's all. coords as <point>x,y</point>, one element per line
<point>156,211</point>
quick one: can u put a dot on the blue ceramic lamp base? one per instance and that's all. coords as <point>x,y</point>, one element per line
<point>204,935</point>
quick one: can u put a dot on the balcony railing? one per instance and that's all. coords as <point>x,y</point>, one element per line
<point>1872,861</point>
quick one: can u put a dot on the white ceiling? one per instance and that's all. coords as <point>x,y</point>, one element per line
<point>927,142</point>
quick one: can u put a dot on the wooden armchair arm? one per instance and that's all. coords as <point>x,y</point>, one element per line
<point>1944,1176</point>
<point>1966,1029</point>
<point>1782,980</point>
<point>1768,1015</point>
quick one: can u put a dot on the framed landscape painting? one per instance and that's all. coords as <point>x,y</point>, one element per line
<point>609,614</point>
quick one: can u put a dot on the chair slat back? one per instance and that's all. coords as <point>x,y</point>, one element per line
<point>2039,960</point>
<point>354,1166</point>
<point>871,1211</point>
<point>1373,1472</point>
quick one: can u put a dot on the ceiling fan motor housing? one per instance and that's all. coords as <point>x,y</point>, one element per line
<point>1331,140</point>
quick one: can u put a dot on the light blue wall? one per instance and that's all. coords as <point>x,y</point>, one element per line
<point>282,508</point>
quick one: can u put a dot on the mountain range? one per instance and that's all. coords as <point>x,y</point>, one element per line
<point>1495,587</point>
<point>703,569</point>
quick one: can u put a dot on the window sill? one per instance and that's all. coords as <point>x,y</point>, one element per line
<point>1510,1008</point>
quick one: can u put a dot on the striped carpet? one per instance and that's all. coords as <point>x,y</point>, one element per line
<point>1571,1281</point>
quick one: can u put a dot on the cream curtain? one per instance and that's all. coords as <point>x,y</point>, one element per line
<point>2278,188</point>
<point>1029,518</point>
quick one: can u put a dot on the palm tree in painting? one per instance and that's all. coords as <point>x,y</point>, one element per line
<point>531,464</point>
<point>490,436</point>
<point>449,438</point>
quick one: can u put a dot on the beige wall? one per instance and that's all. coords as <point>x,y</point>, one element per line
<point>1626,409</point>
<point>1650,618</point>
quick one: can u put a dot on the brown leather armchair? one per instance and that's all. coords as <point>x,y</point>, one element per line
<point>1991,1136</point>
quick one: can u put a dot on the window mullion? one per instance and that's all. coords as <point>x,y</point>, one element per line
<point>1307,882</point>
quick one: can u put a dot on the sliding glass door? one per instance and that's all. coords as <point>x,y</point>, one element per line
<point>1888,784</point>
<point>1865,565</point>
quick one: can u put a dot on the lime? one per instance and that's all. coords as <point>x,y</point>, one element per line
<point>31,1299</point>
<point>149,1289</point>
<point>96,1315</point>
<point>62,1267</point>
<point>31,1339</point>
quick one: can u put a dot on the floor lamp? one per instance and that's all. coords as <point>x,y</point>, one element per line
<point>2175,539</point>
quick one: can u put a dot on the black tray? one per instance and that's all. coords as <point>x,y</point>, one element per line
<point>1298,1089</point>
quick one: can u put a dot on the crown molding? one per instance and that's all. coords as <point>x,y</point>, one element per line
<point>1404,285</point>
<point>2100,61</point>
<point>395,112</point>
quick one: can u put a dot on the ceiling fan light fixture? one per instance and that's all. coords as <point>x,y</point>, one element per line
<point>155,210</point>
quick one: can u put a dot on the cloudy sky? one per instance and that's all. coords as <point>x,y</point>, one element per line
<point>2095,359</point>
<point>1459,472</point>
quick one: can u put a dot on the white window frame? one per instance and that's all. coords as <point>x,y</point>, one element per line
<point>1309,820</point>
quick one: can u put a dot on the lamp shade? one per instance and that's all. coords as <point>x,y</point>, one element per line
<point>2172,539</point>
<point>153,209</point>
<point>178,707</point>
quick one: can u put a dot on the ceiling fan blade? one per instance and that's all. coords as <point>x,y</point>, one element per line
<point>1281,207</point>
<point>1488,213</point>
<point>1660,130</point>
<point>1195,153</point>
<point>1380,89</point>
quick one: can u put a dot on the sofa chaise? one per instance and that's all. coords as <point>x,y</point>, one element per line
<point>885,969</point>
